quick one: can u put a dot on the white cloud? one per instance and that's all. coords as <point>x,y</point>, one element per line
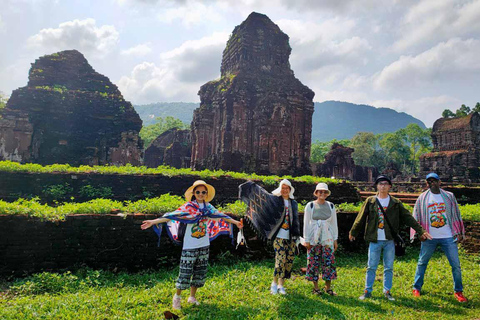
<point>193,13</point>
<point>2,25</point>
<point>82,35</point>
<point>453,60</point>
<point>138,51</point>
<point>179,73</point>
<point>430,21</point>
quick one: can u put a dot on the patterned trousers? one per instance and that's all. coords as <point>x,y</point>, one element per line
<point>320,256</point>
<point>284,255</point>
<point>193,268</point>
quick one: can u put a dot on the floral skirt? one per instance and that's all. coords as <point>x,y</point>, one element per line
<point>320,256</point>
<point>284,255</point>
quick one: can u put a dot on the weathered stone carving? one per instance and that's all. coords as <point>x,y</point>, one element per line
<point>172,148</point>
<point>340,164</point>
<point>456,149</point>
<point>257,117</point>
<point>68,113</point>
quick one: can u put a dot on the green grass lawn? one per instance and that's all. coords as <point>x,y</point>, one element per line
<point>238,289</point>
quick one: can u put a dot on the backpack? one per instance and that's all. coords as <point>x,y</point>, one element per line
<point>331,205</point>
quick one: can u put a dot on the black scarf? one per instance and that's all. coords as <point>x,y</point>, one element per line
<point>266,212</point>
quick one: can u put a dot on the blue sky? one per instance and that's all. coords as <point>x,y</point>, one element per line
<point>418,57</point>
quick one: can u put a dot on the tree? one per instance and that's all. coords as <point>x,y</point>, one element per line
<point>364,144</point>
<point>447,113</point>
<point>3,102</point>
<point>476,108</point>
<point>395,148</point>
<point>320,148</point>
<point>419,140</point>
<point>463,111</point>
<point>151,132</point>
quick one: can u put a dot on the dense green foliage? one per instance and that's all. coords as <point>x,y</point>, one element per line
<point>164,203</point>
<point>401,148</point>
<point>10,166</point>
<point>463,111</point>
<point>239,289</point>
<point>151,132</point>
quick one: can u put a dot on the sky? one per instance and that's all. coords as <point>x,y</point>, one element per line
<point>418,57</point>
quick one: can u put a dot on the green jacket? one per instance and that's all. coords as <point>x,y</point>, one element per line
<point>396,213</point>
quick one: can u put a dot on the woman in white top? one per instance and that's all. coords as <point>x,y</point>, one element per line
<point>320,231</point>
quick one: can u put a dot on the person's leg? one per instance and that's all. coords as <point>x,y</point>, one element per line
<point>313,265</point>
<point>289,257</point>
<point>200,269</point>
<point>426,251</point>
<point>329,271</point>
<point>374,252</point>
<point>449,246</point>
<point>388,259</point>
<point>184,276</point>
<point>279,265</point>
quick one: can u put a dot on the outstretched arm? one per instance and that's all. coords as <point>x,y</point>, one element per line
<point>149,223</point>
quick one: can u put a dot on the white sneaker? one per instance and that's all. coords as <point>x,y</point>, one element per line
<point>176,304</point>
<point>281,290</point>
<point>273,288</point>
<point>192,300</point>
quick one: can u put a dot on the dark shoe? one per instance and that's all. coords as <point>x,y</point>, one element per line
<point>460,297</point>
<point>330,292</point>
<point>318,292</point>
<point>389,296</point>
<point>365,295</point>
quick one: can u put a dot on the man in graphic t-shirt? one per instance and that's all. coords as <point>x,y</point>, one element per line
<point>438,213</point>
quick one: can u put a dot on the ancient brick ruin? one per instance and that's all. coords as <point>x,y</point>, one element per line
<point>456,149</point>
<point>171,148</point>
<point>69,113</point>
<point>339,163</point>
<point>257,117</point>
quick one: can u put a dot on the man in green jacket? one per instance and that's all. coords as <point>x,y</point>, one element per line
<point>378,234</point>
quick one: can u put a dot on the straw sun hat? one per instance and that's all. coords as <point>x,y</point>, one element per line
<point>210,190</point>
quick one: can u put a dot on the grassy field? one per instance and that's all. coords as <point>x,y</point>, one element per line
<point>238,289</point>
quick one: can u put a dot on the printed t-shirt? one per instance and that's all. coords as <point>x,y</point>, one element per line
<point>284,232</point>
<point>196,235</point>
<point>381,218</point>
<point>437,218</point>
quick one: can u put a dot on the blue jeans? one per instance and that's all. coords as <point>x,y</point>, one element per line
<point>449,246</point>
<point>374,252</point>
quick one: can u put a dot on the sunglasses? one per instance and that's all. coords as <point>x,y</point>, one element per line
<point>321,191</point>
<point>200,192</point>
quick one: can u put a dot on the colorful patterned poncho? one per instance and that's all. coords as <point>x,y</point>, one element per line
<point>191,212</point>
<point>420,213</point>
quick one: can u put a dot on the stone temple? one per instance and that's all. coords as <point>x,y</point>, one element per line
<point>69,113</point>
<point>456,149</point>
<point>257,117</point>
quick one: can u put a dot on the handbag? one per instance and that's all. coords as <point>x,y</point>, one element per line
<point>400,245</point>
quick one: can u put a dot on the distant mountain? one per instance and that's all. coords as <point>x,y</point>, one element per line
<point>342,120</point>
<point>179,110</point>
<point>331,119</point>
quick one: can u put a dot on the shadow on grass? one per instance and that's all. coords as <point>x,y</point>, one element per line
<point>430,304</point>
<point>208,310</point>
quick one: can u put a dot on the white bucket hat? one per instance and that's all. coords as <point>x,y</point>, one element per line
<point>321,186</point>
<point>277,192</point>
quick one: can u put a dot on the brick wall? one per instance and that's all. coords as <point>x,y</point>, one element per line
<point>111,242</point>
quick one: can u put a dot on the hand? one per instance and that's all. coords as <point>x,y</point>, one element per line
<point>335,245</point>
<point>460,238</point>
<point>239,224</point>
<point>308,245</point>
<point>426,236</point>
<point>147,224</point>
<point>350,237</point>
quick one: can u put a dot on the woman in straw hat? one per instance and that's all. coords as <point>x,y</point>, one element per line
<point>203,223</point>
<point>321,233</point>
<point>275,217</point>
